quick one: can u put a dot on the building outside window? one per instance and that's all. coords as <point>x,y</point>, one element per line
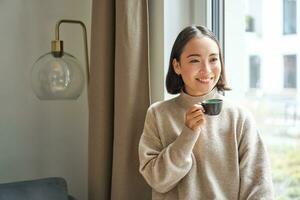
<point>290,71</point>
<point>289,16</point>
<point>261,66</point>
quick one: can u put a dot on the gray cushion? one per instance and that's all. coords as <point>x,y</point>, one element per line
<point>40,189</point>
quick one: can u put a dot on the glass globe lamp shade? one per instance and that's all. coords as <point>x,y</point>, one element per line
<point>57,77</point>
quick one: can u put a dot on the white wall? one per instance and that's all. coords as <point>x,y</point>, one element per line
<point>167,19</point>
<point>40,138</point>
<point>235,59</point>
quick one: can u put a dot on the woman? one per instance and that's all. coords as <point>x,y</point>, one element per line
<point>187,155</point>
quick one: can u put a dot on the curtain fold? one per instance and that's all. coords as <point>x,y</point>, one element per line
<point>131,97</point>
<point>101,100</point>
<point>118,98</point>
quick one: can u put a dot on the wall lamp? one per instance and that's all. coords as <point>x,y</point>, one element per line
<point>57,75</point>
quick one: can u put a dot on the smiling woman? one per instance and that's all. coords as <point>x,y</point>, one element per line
<point>199,66</point>
<point>185,153</point>
<point>197,60</point>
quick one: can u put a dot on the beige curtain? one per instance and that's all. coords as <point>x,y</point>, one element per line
<point>118,98</point>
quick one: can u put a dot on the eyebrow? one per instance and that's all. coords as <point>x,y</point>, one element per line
<point>198,55</point>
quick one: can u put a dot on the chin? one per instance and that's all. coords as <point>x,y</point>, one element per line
<point>203,91</point>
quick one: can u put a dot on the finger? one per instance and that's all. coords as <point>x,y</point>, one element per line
<point>201,107</point>
<point>197,120</point>
<point>201,121</point>
<point>191,113</point>
<point>198,124</point>
<point>196,114</point>
<point>194,108</point>
<point>192,116</point>
<point>198,107</point>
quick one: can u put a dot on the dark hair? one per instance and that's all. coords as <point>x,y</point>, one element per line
<point>174,82</point>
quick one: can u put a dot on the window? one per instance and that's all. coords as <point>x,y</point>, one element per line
<point>289,17</point>
<point>290,71</point>
<point>260,60</point>
<point>254,65</point>
<point>250,26</point>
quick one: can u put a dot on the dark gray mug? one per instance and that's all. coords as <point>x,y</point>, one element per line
<point>212,106</point>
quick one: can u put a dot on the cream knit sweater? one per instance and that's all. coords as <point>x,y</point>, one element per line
<point>225,160</point>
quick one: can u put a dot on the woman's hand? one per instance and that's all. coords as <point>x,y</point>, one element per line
<point>194,117</point>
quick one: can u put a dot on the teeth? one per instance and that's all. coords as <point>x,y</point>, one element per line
<point>205,80</point>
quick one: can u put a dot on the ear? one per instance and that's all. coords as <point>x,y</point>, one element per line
<point>176,66</point>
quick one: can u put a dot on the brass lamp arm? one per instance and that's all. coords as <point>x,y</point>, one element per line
<point>84,40</point>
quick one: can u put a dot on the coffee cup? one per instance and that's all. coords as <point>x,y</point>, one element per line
<point>212,106</point>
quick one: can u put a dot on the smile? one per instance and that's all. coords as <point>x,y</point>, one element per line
<point>204,80</point>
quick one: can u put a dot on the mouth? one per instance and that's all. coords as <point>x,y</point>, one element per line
<point>205,80</point>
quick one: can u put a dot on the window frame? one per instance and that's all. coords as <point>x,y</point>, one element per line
<point>218,21</point>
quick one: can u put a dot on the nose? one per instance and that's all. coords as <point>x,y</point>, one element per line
<point>205,68</point>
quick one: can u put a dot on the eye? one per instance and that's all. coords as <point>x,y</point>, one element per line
<point>194,61</point>
<point>214,60</point>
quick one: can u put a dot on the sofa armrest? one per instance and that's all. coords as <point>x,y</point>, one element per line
<point>54,188</point>
<point>71,197</point>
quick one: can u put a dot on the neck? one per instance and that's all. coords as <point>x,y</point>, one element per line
<point>186,100</point>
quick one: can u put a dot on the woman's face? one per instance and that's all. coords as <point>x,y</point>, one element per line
<point>199,66</point>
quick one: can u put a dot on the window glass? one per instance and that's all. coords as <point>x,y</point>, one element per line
<point>290,71</point>
<point>250,23</point>
<point>254,69</point>
<point>289,16</point>
<point>261,66</point>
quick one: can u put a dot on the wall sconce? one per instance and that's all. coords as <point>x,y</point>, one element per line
<point>57,75</point>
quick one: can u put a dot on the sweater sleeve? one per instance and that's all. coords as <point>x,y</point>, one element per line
<point>255,170</point>
<point>163,167</point>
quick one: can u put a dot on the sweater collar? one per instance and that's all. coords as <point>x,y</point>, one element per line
<point>187,100</point>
